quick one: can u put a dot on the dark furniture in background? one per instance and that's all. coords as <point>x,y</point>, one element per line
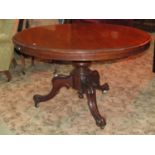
<point>128,22</point>
<point>23,23</point>
<point>144,24</point>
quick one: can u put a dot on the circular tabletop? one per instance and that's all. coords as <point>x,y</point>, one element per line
<point>82,42</point>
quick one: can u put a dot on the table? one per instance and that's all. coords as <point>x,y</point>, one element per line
<point>81,44</point>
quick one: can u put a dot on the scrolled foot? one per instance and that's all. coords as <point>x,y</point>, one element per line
<point>91,96</point>
<point>37,100</point>
<point>101,123</point>
<point>36,105</point>
<point>58,82</point>
<point>105,88</point>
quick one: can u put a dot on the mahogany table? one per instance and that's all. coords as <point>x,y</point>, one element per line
<point>81,44</point>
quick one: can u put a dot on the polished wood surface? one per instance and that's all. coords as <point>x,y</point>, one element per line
<point>82,42</point>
